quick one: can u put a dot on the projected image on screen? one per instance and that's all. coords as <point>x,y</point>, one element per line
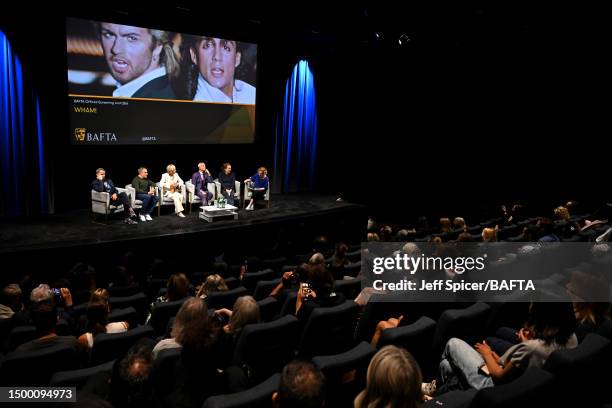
<point>133,85</point>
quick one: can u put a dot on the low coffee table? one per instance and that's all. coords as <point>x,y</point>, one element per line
<point>211,213</point>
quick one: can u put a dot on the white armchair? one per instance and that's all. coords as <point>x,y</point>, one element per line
<point>131,192</point>
<point>248,193</point>
<point>167,201</point>
<point>236,190</point>
<point>101,204</point>
<point>193,197</point>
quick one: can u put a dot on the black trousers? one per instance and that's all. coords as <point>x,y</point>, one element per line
<point>122,198</point>
<point>259,194</point>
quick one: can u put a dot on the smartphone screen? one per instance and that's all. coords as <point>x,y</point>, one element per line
<point>485,370</point>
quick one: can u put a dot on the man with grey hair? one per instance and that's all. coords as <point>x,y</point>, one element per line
<point>141,60</point>
<point>103,185</point>
<point>200,180</point>
<point>45,315</point>
<point>60,297</point>
<point>44,293</point>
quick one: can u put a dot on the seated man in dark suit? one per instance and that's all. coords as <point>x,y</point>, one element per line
<point>102,184</point>
<point>200,180</point>
<point>141,60</point>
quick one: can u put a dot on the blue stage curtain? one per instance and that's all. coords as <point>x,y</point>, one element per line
<point>23,177</point>
<point>295,149</point>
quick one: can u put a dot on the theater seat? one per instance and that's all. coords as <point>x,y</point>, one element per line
<point>78,378</point>
<point>220,300</point>
<point>288,307</point>
<point>416,338</point>
<point>352,269</point>
<point>605,329</point>
<point>139,301</point>
<point>162,312</point>
<point>350,288</point>
<point>579,372</point>
<point>532,389</point>
<point>232,283</point>
<point>250,279</point>
<point>6,326</point>
<point>266,347</point>
<point>20,335</point>
<point>468,324</point>
<point>163,372</point>
<point>263,288</point>
<point>345,373</point>
<point>354,256</point>
<point>268,308</point>
<point>274,263</point>
<point>453,399</point>
<point>124,315</point>
<point>110,346</point>
<point>123,291</point>
<point>259,396</point>
<point>382,307</point>
<point>35,368</point>
<point>329,330</point>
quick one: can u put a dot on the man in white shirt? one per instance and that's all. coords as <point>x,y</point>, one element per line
<point>216,60</point>
<point>141,60</point>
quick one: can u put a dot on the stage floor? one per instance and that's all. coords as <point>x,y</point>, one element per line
<point>77,229</point>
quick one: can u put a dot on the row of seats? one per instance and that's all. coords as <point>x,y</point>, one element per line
<point>570,377</point>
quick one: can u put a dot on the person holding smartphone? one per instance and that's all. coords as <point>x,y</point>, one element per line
<point>550,327</point>
<point>316,291</point>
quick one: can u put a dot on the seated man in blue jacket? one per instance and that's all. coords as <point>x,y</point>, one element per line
<point>101,184</point>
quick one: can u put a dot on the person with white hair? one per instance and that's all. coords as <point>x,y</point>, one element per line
<point>172,187</point>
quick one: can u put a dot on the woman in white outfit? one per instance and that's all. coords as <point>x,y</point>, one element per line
<point>172,187</point>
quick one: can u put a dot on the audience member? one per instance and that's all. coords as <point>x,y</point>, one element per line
<point>393,380</point>
<point>302,385</point>
<point>10,301</point>
<point>191,311</point>
<point>550,327</point>
<point>45,316</point>
<point>213,283</point>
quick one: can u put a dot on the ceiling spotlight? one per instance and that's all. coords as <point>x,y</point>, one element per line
<point>403,39</point>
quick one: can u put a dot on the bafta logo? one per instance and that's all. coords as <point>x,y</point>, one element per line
<point>79,134</point>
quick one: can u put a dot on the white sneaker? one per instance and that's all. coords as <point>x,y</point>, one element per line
<point>142,218</point>
<point>148,217</point>
<point>180,214</point>
<point>249,208</point>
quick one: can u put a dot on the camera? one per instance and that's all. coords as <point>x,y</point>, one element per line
<point>294,278</point>
<point>57,296</point>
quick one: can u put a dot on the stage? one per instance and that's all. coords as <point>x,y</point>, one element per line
<point>60,239</point>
